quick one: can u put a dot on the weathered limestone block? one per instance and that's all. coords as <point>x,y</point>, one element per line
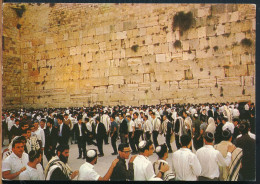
<point>149,59</point>
<point>113,71</point>
<point>239,37</point>
<point>203,43</point>
<point>251,69</point>
<point>194,44</point>
<point>220,29</point>
<point>134,61</point>
<point>142,32</point>
<point>185,45</point>
<point>121,35</point>
<point>160,58</point>
<point>234,16</point>
<point>202,32</point>
<point>189,55</point>
<point>116,80</point>
<point>202,12</point>
<point>49,40</point>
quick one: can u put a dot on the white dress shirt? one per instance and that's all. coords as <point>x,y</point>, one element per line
<point>14,164</point>
<point>137,123</point>
<point>148,127</point>
<point>40,136</point>
<point>235,113</point>
<point>80,134</point>
<point>106,121</point>
<point>89,127</point>
<point>185,165</point>
<point>156,124</point>
<point>32,173</point>
<point>143,169</point>
<point>131,124</point>
<point>87,172</point>
<point>10,123</point>
<point>210,160</point>
<point>60,131</point>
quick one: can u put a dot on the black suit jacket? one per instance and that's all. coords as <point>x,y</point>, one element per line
<point>64,139</point>
<point>247,144</point>
<point>83,130</point>
<point>123,127</point>
<point>101,131</point>
<point>51,137</point>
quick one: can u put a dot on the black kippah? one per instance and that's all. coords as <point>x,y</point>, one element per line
<point>226,133</point>
<point>209,136</point>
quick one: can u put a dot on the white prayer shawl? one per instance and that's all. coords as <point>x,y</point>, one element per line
<point>55,163</point>
<point>188,123</point>
<point>181,128</point>
<point>211,126</point>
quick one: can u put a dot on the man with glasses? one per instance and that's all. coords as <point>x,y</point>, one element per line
<point>120,172</point>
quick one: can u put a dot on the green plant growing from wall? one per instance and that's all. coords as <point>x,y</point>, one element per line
<point>246,42</point>
<point>183,21</point>
<point>177,44</point>
<point>135,48</point>
<point>19,10</point>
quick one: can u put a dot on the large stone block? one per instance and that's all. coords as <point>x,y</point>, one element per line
<point>160,58</point>
<point>116,80</point>
<point>121,35</point>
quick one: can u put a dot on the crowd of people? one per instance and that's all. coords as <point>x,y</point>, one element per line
<point>214,142</point>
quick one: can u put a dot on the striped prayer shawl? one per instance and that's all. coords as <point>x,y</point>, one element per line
<point>231,172</point>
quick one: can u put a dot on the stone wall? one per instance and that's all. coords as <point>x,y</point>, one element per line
<point>86,54</point>
<point>11,58</point>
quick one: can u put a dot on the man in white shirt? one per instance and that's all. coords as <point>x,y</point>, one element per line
<point>10,123</point>
<point>87,172</point>
<point>143,168</point>
<point>138,128</point>
<point>15,163</point>
<point>39,133</point>
<point>148,127</point>
<point>131,132</point>
<point>156,128</point>
<point>227,125</point>
<point>34,170</point>
<point>185,164</point>
<point>210,159</point>
<point>235,113</point>
<point>105,119</point>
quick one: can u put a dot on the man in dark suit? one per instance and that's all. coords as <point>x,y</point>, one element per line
<point>123,130</point>
<point>100,136</point>
<point>80,131</point>
<point>63,131</point>
<point>51,136</point>
<point>247,144</point>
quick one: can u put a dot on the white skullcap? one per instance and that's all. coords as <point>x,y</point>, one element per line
<point>91,153</point>
<point>142,144</point>
<point>127,114</point>
<point>158,149</point>
<point>196,115</point>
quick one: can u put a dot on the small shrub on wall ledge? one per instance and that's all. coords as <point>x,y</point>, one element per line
<point>177,44</point>
<point>19,10</point>
<point>135,48</point>
<point>183,21</point>
<point>246,42</point>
